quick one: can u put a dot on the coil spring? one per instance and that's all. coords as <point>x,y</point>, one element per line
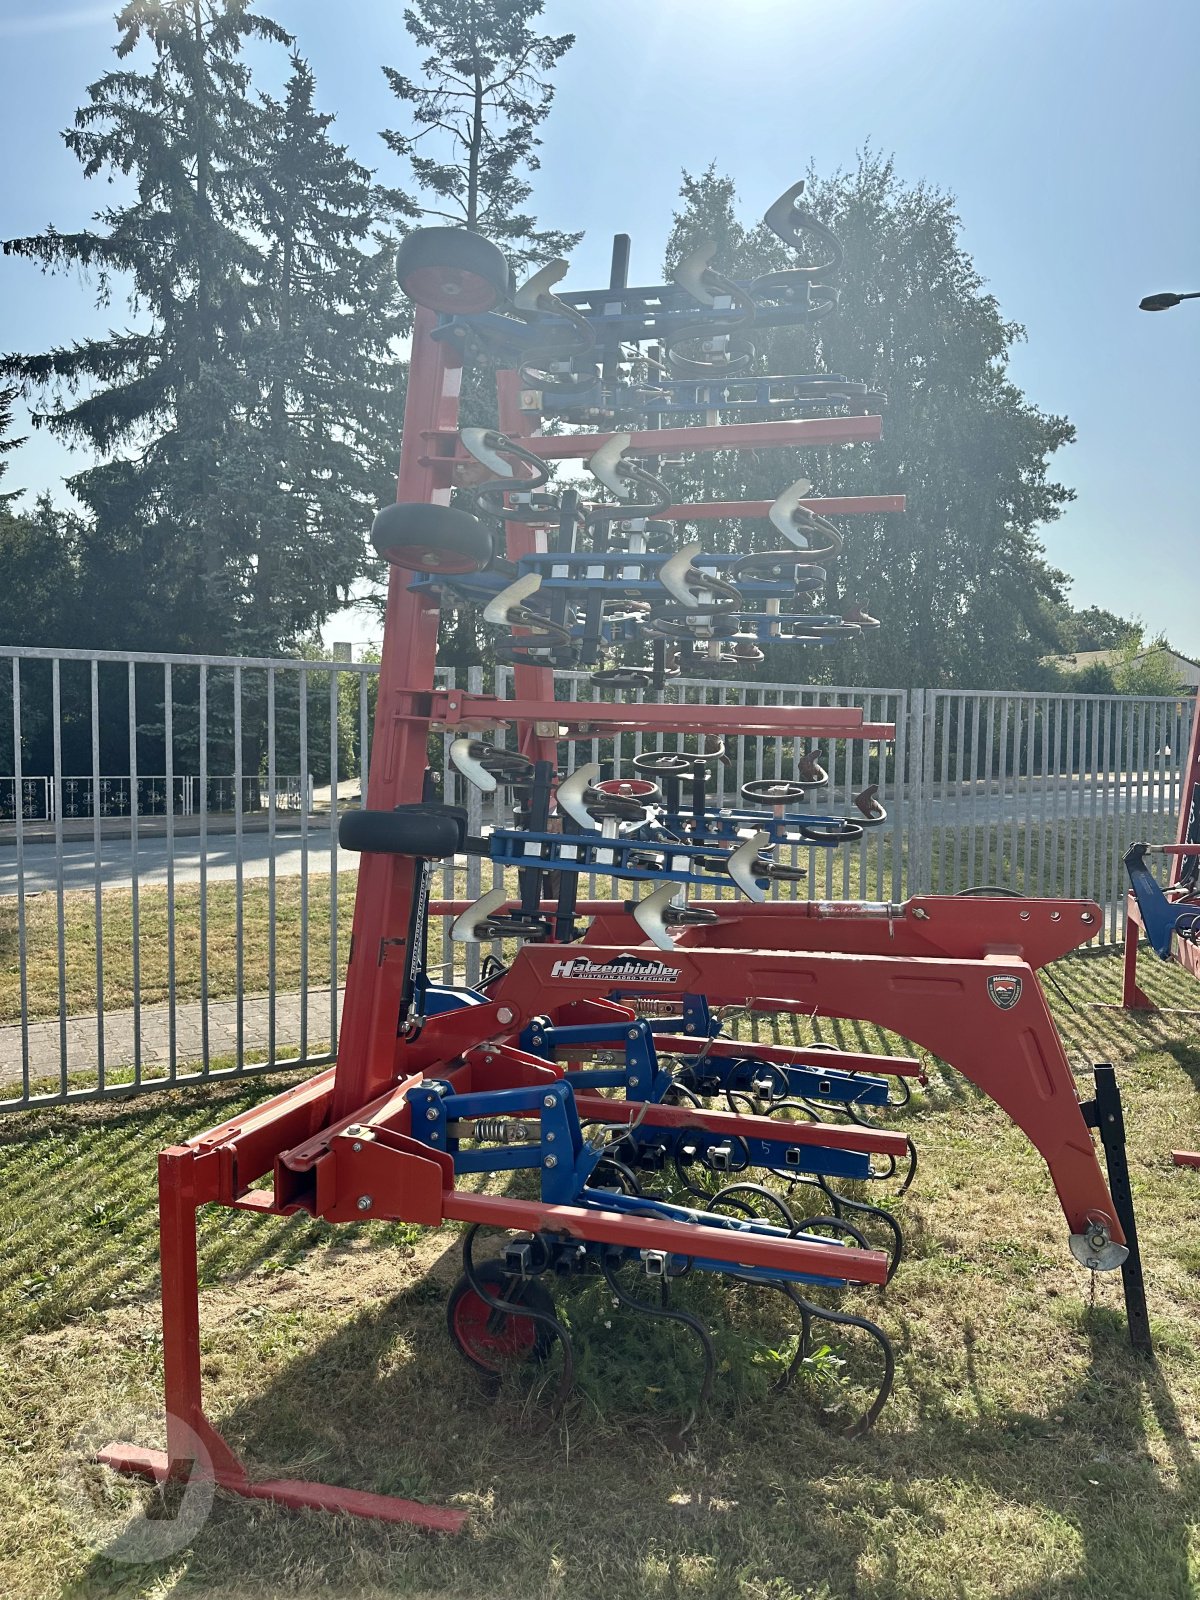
<point>506,1130</point>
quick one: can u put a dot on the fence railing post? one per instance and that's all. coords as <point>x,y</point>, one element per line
<point>918,844</point>
<point>972,801</point>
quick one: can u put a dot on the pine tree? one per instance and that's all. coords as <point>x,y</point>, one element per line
<point>7,397</point>
<point>483,95</point>
<point>161,400</point>
<point>242,424</point>
<point>321,438</point>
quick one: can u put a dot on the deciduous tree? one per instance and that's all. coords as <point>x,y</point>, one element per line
<point>961,582</point>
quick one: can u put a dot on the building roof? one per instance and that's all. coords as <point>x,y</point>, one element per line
<point>1189,670</point>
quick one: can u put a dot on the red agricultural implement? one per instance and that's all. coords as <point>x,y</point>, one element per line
<point>594,1064</point>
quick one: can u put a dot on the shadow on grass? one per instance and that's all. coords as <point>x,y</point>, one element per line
<point>78,1193</point>
<point>385,1404</point>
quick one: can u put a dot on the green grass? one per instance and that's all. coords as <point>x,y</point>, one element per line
<point>996,855</point>
<point>221,941</point>
<point>1026,1453</point>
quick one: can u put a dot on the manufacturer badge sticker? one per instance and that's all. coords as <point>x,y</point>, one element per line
<point>621,969</point>
<point>1004,990</point>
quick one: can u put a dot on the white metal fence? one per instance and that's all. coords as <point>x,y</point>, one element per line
<point>145,944</point>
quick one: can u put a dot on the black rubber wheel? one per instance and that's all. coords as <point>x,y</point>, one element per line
<point>418,831</point>
<point>491,1339</point>
<point>452,270</point>
<point>772,791</point>
<point>426,538</point>
<point>671,763</point>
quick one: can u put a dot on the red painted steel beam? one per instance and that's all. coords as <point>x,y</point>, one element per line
<point>453,707</point>
<point>805,431</point>
<point>786,1055</point>
<point>961,928</point>
<point>193,1443</point>
<point>823,1135</point>
<point>521,539</point>
<point>1191,780</point>
<point>387,884</point>
<point>296,1493</point>
<point>958,927</point>
<point>677,1238</point>
<point>860,505</point>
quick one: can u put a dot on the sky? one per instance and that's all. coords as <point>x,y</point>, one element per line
<point>1068,130</point>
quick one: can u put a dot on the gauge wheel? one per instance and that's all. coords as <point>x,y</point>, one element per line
<point>491,1339</point>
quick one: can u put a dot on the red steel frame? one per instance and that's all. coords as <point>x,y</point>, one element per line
<point>338,1146</point>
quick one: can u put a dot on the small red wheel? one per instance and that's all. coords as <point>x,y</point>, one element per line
<point>491,1339</point>
<point>643,789</point>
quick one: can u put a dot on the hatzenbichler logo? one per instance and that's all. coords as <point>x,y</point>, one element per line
<point>621,970</point>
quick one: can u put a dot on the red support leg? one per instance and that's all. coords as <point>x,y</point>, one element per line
<point>193,1445</point>
<point>1133,996</point>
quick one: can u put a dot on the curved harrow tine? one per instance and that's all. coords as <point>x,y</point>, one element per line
<point>666,1313</point>
<point>515,1308</point>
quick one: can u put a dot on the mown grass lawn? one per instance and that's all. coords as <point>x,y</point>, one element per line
<point>1026,1452</point>
<point>220,940</point>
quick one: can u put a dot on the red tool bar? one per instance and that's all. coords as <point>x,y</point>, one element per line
<point>453,706</point>
<point>788,1055</point>
<point>825,1135</point>
<point>294,1492</point>
<point>677,1238</point>
<point>849,505</point>
<point>688,441</point>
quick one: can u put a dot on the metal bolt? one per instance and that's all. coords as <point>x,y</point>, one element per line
<point>356,1146</point>
<point>632,1034</point>
<point>633,1082</point>
<point>550,1161</point>
<point>550,1138</point>
<point>505,1014</point>
<point>431,1114</point>
<point>364,1202</point>
<point>549,1102</point>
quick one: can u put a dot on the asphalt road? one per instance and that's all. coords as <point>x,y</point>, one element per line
<point>116,861</point>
